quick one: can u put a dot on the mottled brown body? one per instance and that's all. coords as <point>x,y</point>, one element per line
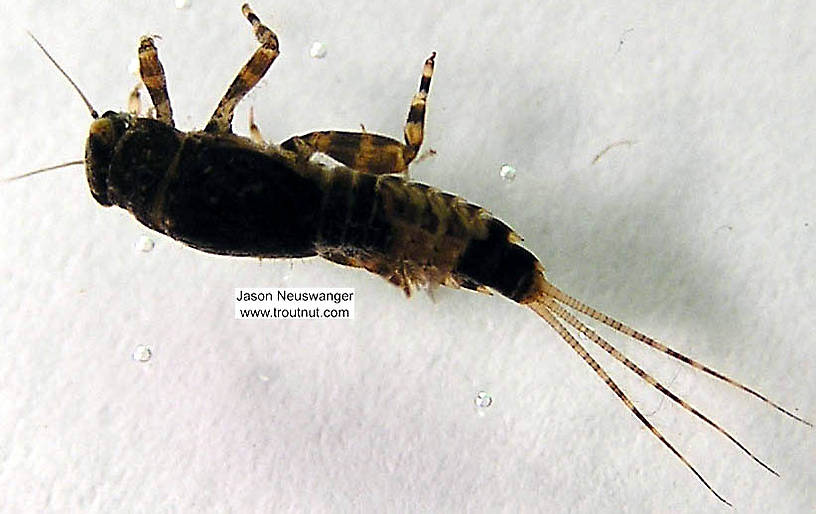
<point>343,196</point>
<point>417,236</point>
<point>226,194</point>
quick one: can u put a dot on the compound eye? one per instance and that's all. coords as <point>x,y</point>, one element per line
<point>101,132</point>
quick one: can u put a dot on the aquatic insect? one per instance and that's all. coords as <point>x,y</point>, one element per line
<point>226,194</point>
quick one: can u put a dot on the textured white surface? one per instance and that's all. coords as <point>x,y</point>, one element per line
<point>702,233</point>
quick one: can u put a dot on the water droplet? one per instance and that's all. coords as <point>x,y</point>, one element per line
<point>483,400</point>
<point>142,353</point>
<point>507,172</point>
<point>318,50</point>
<point>144,244</point>
<point>182,4</point>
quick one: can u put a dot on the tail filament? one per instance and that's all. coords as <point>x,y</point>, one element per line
<point>551,305</point>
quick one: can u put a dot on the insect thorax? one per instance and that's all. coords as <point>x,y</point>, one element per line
<point>218,193</point>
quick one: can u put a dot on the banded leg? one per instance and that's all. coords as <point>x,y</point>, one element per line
<point>362,151</point>
<point>415,124</point>
<point>248,77</point>
<point>374,153</point>
<point>152,72</point>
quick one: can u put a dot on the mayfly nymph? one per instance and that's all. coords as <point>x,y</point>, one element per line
<point>343,196</point>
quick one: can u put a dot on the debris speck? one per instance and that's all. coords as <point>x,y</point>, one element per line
<point>625,142</point>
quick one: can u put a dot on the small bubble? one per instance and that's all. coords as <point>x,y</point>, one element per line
<point>507,172</point>
<point>317,50</point>
<point>142,353</point>
<point>144,244</point>
<point>182,4</point>
<point>133,66</point>
<point>483,400</point>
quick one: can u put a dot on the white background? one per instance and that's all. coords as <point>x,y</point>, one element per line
<point>703,233</point>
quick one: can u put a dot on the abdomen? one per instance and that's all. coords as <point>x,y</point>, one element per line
<point>415,235</point>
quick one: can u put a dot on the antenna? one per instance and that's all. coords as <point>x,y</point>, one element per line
<point>41,170</point>
<point>94,114</point>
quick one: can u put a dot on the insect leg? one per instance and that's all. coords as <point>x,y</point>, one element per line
<point>254,131</point>
<point>135,100</point>
<point>152,72</point>
<point>374,153</point>
<point>248,77</point>
<point>415,124</point>
<point>362,151</point>
<point>614,352</point>
<point>543,310</point>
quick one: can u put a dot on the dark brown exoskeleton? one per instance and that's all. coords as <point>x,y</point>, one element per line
<point>343,196</point>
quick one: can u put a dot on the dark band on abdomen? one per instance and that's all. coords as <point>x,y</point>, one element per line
<point>496,263</point>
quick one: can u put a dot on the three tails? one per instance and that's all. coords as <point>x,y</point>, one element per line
<point>553,306</point>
